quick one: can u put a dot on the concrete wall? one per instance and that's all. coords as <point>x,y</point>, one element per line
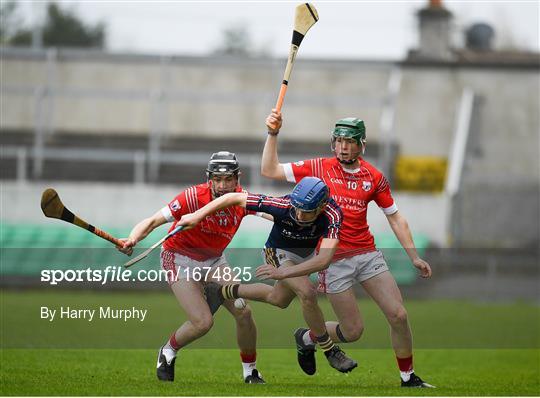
<point>503,216</point>
<point>223,97</point>
<point>506,136</point>
<point>208,97</point>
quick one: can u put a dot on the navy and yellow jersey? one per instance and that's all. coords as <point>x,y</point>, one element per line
<point>288,235</point>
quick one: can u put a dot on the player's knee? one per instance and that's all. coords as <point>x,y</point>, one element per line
<point>352,332</point>
<point>307,295</point>
<point>243,315</point>
<point>357,332</point>
<point>203,323</point>
<point>398,316</point>
<point>281,302</point>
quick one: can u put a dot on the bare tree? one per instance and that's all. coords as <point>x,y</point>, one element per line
<point>61,28</point>
<point>236,41</point>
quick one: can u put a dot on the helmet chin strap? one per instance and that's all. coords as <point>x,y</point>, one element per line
<point>348,162</point>
<point>215,193</point>
<point>351,161</point>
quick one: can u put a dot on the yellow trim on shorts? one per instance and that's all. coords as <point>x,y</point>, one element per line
<point>271,257</point>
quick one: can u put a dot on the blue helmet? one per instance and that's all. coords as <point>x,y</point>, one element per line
<point>309,194</point>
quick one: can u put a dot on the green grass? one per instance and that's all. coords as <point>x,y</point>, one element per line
<point>211,372</point>
<point>464,348</point>
<point>436,324</point>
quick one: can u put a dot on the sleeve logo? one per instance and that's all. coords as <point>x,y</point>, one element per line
<point>299,164</point>
<point>175,206</point>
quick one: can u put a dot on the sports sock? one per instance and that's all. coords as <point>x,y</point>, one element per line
<point>405,367</point>
<point>325,342</point>
<point>170,348</point>
<point>229,292</point>
<point>249,362</point>
<point>173,343</point>
<point>309,338</point>
<point>340,334</point>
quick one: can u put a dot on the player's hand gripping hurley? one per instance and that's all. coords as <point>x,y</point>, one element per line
<point>145,253</point>
<point>305,17</point>
<point>52,207</point>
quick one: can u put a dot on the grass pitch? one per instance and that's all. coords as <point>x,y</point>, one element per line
<point>214,372</point>
<point>463,348</point>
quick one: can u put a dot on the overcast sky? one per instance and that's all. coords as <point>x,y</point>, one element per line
<point>354,29</point>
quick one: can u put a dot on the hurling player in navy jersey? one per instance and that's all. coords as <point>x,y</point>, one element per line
<point>301,219</point>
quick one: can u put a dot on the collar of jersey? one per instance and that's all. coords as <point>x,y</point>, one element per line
<point>348,170</point>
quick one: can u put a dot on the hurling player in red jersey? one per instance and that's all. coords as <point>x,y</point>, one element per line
<point>302,220</point>
<point>187,256</point>
<point>353,183</point>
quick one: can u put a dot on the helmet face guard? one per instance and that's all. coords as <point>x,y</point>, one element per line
<point>311,217</point>
<point>352,129</point>
<point>222,163</point>
<point>309,196</point>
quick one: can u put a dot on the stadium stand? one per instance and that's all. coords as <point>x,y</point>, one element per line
<point>41,246</point>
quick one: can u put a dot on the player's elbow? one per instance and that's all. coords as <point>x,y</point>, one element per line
<point>396,220</point>
<point>270,171</point>
<point>153,224</point>
<point>155,221</point>
<point>232,199</point>
<point>404,224</point>
<point>266,171</point>
<point>145,227</point>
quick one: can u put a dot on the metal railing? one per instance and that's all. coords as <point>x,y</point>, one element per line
<point>142,166</point>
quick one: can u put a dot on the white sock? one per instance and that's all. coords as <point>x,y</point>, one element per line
<point>406,376</point>
<point>307,339</point>
<point>169,352</point>
<point>248,368</point>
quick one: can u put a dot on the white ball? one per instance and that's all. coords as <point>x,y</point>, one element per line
<point>240,303</point>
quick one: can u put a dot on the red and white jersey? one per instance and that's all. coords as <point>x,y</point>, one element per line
<point>212,235</point>
<point>352,190</point>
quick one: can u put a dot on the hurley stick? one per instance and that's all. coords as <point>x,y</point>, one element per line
<point>53,207</point>
<point>305,17</point>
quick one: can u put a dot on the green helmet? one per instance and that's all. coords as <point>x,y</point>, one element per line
<point>350,127</point>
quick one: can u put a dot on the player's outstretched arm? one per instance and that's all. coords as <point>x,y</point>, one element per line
<point>228,200</point>
<point>141,231</point>
<point>315,264</point>
<point>400,226</point>
<point>270,166</point>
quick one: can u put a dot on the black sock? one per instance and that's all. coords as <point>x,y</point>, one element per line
<point>340,335</point>
<point>230,292</point>
<point>325,342</point>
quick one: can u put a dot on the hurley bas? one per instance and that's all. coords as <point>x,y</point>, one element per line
<point>89,314</point>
